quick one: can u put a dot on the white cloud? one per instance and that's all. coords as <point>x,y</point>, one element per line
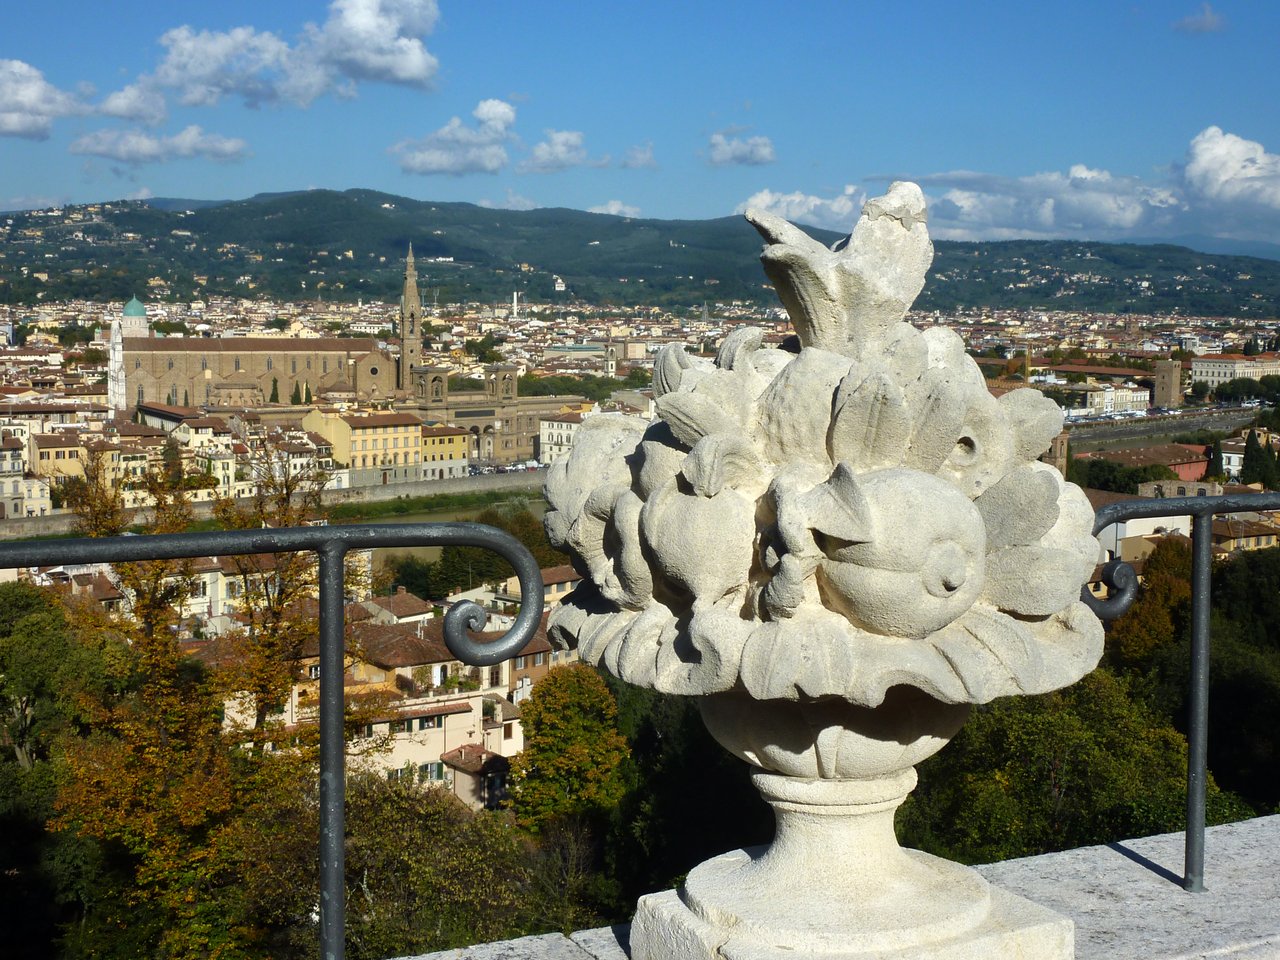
<point>639,157</point>
<point>141,102</point>
<point>752,151</point>
<point>360,40</point>
<point>29,103</point>
<point>379,40</point>
<point>1081,202</point>
<point>458,149</point>
<point>561,150</point>
<point>1226,168</point>
<point>617,208</point>
<point>1207,20</point>
<point>513,201</point>
<point>138,146</point>
<point>205,66</point>
<point>832,213</point>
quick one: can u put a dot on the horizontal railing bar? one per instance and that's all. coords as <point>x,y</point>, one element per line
<point>1148,507</point>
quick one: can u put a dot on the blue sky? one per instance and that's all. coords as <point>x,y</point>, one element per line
<point>1105,120</point>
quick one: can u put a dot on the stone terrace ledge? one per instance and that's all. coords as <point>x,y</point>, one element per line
<point>1125,898</point>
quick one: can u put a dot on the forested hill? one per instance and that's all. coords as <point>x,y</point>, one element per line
<point>343,246</point>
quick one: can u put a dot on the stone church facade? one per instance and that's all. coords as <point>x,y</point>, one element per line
<point>248,371</point>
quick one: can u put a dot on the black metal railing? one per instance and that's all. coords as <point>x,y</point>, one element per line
<point>1123,585</point>
<point>331,545</point>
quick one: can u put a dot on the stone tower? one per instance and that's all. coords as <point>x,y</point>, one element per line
<point>410,324</point>
<point>1168,384</point>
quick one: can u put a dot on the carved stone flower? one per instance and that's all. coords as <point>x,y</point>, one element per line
<point>833,522</point>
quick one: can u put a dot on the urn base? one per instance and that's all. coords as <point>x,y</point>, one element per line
<point>835,885</point>
<point>665,928</point>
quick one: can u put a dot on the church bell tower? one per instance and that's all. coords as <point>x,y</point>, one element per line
<point>410,325</point>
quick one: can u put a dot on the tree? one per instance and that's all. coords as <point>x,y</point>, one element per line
<point>277,591</point>
<point>307,395</point>
<point>1259,463</point>
<point>573,750</point>
<point>1216,470</point>
<point>96,498</point>
<point>1161,614</point>
<point>275,390</point>
<point>1199,391</point>
<point>296,397</point>
<point>1025,775</point>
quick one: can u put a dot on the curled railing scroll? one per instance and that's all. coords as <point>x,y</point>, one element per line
<point>331,544</point>
<point>1122,583</point>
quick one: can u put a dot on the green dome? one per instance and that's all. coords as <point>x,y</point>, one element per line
<point>134,308</point>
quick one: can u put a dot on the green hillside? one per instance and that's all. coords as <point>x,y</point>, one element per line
<point>345,245</point>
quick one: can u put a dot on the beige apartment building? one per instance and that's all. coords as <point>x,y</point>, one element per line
<point>1216,369</point>
<point>376,447</point>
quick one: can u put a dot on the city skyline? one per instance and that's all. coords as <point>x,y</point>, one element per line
<point>1093,120</point>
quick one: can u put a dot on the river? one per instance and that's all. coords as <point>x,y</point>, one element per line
<point>432,554</point>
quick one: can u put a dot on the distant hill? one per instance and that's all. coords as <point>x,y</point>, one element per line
<point>350,244</point>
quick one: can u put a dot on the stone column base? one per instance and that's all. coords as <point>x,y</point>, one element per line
<point>665,928</point>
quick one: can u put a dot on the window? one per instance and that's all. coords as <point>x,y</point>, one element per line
<point>137,364</point>
<point>495,674</point>
<point>313,671</point>
<point>270,363</point>
<point>401,726</point>
<point>539,659</point>
<point>237,363</point>
<point>520,663</point>
<point>293,365</point>
<point>171,363</point>
<point>430,771</point>
<point>430,723</point>
<point>507,731</point>
<point>204,363</point>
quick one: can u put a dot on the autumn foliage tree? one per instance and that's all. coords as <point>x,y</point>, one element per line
<point>571,764</point>
<point>276,591</point>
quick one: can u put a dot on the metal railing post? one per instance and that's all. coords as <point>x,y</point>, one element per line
<point>332,755</point>
<point>1198,708</point>
<point>1123,590</point>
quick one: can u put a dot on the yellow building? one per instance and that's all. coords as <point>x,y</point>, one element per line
<point>57,456</point>
<point>445,452</point>
<point>376,447</point>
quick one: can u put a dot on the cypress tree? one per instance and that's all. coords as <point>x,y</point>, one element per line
<point>296,397</point>
<point>275,390</point>
<point>307,398</point>
<point>1216,468</point>
<point>1253,468</point>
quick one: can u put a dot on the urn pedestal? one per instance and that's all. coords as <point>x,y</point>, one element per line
<point>836,544</point>
<point>834,884</point>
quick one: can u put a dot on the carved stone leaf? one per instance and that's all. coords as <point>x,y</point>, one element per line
<point>1020,509</point>
<point>795,410</point>
<point>938,405</point>
<point>992,655</point>
<point>693,416</point>
<point>1032,581</point>
<point>739,346</point>
<point>1036,421</point>
<point>872,425</point>
<point>668,369</point>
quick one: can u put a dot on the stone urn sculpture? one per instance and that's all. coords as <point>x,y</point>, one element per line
<point>837,543</point>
